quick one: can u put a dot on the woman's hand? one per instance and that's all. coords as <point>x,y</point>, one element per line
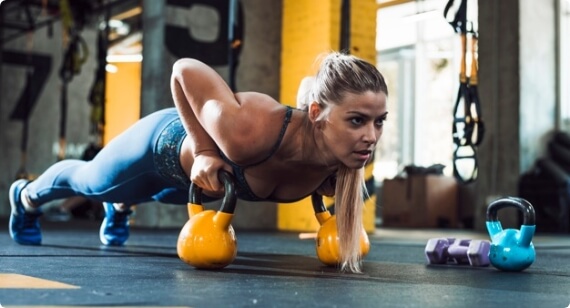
<point>205,171</point>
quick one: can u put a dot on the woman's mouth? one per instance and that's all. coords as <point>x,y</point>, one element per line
<point>363,155</point>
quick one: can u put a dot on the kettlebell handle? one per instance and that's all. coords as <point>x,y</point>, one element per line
<point>230,197</point>
<point>524,206</point>
<point>318,204</point>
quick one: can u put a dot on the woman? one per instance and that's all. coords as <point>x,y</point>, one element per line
<point>322,148</point>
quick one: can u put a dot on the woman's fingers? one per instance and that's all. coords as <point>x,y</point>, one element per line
<point>205,173</point>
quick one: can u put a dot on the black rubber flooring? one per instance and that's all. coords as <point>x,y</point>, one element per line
<point>271,270</point>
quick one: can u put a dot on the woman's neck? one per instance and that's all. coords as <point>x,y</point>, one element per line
<point>312,151</point>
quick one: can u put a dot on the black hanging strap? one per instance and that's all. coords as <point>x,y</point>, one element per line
<point>97,92</point>
<point>75,55</point>
<point>468,128</point>
<point>345,26</point>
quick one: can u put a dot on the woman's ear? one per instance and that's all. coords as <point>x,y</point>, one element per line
<point>314,111</point>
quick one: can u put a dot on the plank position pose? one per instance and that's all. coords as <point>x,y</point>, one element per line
<point>275,152</point>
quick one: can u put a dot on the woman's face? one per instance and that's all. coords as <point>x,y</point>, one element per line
<point>353,127</point>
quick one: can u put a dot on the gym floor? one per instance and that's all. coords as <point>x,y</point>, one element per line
<point>72,269</point>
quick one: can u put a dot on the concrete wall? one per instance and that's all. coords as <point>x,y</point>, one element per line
<point>538,115</point>
<point>517,91</point>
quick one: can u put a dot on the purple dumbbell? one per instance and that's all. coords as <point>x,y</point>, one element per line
<point>452,251</point>
<point>436,250</point>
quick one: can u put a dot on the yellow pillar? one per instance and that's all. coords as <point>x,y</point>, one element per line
<point>311,28</point>
<point>122,98</point>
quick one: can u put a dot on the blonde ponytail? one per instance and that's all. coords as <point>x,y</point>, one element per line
<point>349,203</point>
<point>338,75</point>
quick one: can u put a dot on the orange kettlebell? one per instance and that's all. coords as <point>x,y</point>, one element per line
<point>328,250</point>
<point>208,240</point>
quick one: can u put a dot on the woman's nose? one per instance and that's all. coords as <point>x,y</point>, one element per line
<point>371,134</point>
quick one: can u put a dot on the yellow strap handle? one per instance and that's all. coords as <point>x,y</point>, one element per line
<point>463,65</point>
<point>473,79</point>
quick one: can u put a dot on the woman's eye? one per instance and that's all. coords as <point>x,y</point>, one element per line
<point>380,122</point>
<point>356,121</point>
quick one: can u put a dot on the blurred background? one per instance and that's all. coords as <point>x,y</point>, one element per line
<point>75,73</point>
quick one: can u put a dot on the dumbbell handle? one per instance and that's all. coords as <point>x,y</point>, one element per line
<point>473,252</point>
<point>458,252</point>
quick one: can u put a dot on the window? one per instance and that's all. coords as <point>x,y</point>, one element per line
<point>419,54</point>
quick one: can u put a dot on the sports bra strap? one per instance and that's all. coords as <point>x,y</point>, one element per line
<point>275,147</point>
<point>243,189</point>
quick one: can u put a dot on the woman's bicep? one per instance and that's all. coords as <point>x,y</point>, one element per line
<point>200,83</point>
<point>197,90</point>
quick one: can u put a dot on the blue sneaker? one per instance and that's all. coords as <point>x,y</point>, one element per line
<point>114,229</point>
<point>24,226</point>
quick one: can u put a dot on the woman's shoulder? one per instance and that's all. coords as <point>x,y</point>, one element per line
<point>256,98</point>
<point>263,108</point>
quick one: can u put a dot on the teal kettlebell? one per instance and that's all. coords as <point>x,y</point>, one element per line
<point>511,249</point>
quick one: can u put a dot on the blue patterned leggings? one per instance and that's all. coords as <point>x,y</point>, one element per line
<point>124,171</point>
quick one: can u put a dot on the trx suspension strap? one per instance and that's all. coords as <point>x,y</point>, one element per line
<point>22,172</point>
<point>467,129</point>
<point>345,26</point>
<point>75,55</point>
<point>478,127</point>
<point>97,92</point>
